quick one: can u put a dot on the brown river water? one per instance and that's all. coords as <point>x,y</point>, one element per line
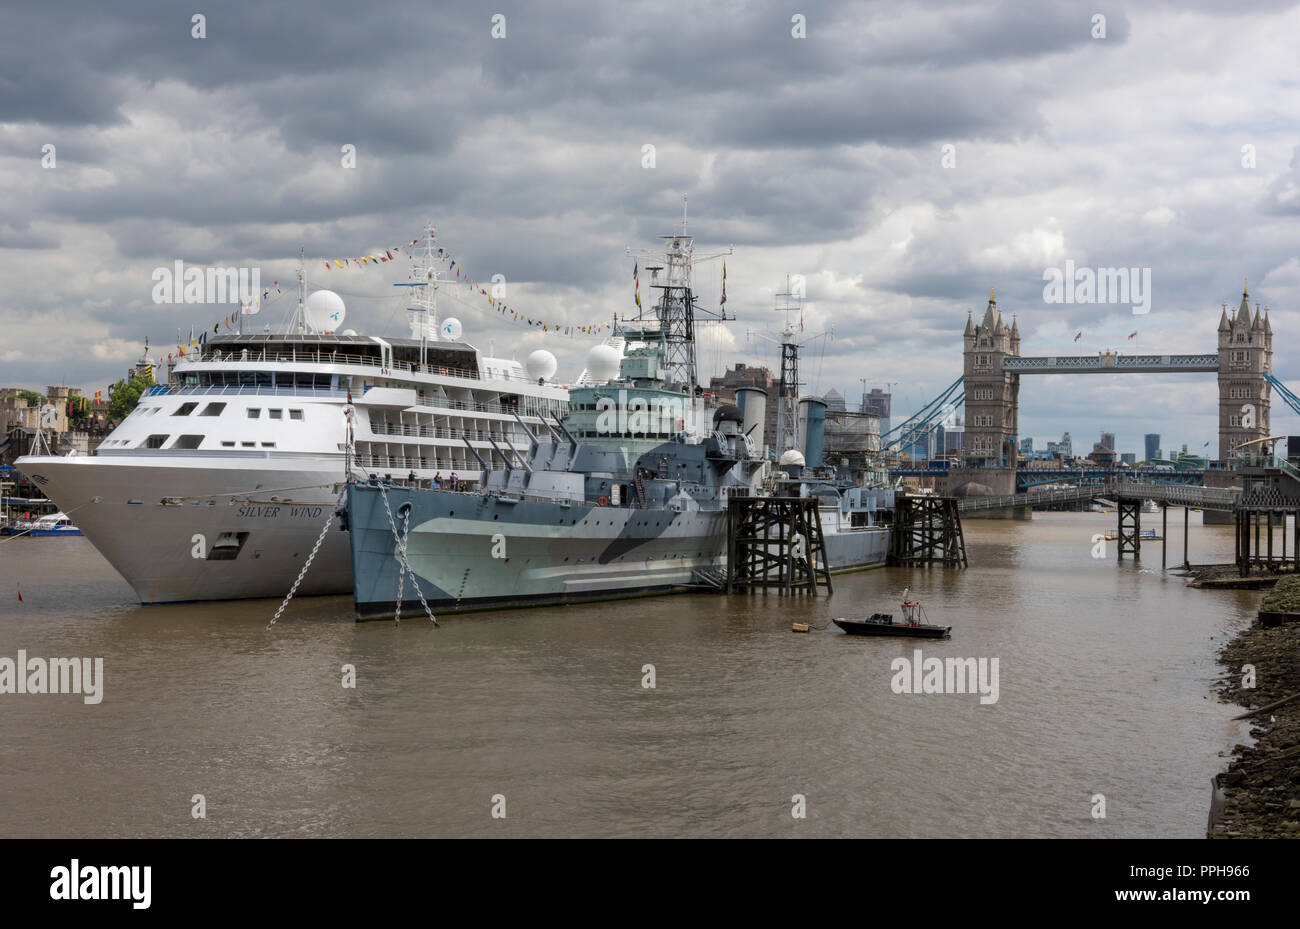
<point>1105,676</point>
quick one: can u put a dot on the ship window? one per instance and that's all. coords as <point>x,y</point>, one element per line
<point>227,546</point>
<point>185,409</point>
<point>276,414</point>
<point>188,441</point>
<point>227,444</point>
<point>248,444</point>
<point>268,445</point>
<point>295,414</point>
<point>154,441</point>
<point>254,412</point>
<point>213,409</point>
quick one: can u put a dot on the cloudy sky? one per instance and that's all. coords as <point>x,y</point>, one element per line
<point>822,156</point>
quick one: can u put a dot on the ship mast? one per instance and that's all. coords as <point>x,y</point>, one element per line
<point>426,277</point>
<point>301,312</point>
<point>787,403</point>
<point>299,321</point>
<point>677,310</point>
<point>787,400</point>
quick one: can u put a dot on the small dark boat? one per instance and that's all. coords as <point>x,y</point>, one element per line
<point>883,623</point>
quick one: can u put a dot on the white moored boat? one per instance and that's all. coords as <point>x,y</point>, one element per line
<point>217,486</point>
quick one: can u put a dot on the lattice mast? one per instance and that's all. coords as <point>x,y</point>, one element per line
<point>677,311</point>
<point>787,396</point>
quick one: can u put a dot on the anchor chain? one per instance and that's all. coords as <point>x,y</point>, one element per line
<point>401,555</point>
<point>401,575</point>
<point>320,540</point>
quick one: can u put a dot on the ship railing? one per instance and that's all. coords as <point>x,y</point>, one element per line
<point>341,358</point>
<point>348,358</point>
<point>237,389</point>
<point>528,409</point>
<point>438,432</point>
<point>410,463</point>
<point>470,406</point>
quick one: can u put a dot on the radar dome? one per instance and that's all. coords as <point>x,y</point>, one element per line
<point>603,362</point>
<point>541,365</point>
<point>324,311</point>
<point>792,457</point>
<point>451,329</point>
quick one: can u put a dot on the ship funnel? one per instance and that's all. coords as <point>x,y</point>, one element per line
<point>753,406</point>
<point>812,429</point>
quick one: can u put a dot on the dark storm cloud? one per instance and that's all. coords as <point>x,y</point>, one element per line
<point>818,156</point>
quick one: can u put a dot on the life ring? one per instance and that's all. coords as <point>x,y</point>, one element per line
<point>602,501</point>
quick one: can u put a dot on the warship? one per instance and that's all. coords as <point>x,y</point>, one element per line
<point>627,497</point>
<point>567,523</point>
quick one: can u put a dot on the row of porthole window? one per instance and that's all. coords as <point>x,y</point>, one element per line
<point>194,441</point>
<point>216,409</point>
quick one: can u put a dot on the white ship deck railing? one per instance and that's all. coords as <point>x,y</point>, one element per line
<point>489,407</point>
<point>347,358</point>
<point>411,463</point>
<point>434,432</point>
<point>159,390</point>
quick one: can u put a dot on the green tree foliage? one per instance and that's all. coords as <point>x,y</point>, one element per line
<point>124,395</point>
<point>32,397</point>
<point>79,409</point>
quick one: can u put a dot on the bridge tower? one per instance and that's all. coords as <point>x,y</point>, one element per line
<point>1245,356</point>
<point>992,395</point>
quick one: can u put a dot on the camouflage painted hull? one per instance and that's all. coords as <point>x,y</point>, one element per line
<point>480,551</point>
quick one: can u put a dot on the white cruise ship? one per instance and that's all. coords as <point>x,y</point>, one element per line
<point>217,486</point>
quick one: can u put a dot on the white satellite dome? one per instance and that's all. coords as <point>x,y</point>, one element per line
<point>541,365</point>
<point>603,362</point>
<point>792,456</point>
<point>348,332</point>
<point>324,311</point>
<point>451,329</point>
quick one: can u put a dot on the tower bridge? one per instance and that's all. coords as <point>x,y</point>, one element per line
<point>991,380</point>
<point>993,367</point>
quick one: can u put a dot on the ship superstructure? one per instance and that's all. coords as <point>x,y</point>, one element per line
<point>217,485</point>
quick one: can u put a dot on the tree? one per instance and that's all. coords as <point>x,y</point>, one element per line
<point>32,397</point>
<point>79,409</point>
<point>124,395</point>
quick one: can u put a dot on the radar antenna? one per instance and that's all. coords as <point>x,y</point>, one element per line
<point>677,311</point>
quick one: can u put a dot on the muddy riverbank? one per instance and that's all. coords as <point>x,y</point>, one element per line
<point>1260,791</point>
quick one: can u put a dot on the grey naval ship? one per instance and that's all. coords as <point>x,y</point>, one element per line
<point>570,522</point>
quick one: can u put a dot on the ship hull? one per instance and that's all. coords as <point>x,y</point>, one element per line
<point>856,549</point>
<point>165,551</point>
<point>478,551</point>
